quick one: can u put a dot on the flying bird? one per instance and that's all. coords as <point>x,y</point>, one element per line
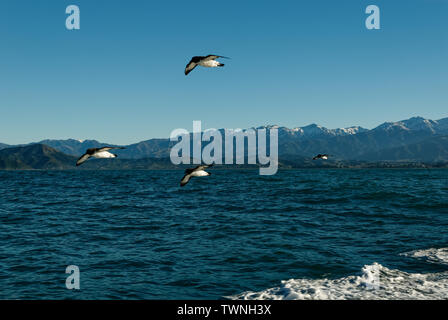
<point>97,153</point>
<point>195,172</point>
<point>207,61</point>
<point>321,156</point>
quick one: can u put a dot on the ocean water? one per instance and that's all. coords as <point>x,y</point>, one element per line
<point>301,234</point>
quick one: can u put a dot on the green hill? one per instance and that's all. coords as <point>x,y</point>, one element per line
<point>36,156</point>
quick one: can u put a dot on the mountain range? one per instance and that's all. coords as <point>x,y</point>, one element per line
<point>412,140</point>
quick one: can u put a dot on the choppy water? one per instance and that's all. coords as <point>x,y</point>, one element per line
<point>235,234</point>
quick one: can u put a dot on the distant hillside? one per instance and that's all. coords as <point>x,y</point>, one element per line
<point>154,148</point>
<point>3,146</point>
<point>74,147</point>
<point>42,157</point>
<point>412,139</point>
<point>36,156</point>
<point>354,146</point>
<point>429,150</point>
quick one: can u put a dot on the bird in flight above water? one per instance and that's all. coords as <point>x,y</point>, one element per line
<point>207,61</point>
<point>321,156</point>
<point>195,172</point>
<point>97,153</point>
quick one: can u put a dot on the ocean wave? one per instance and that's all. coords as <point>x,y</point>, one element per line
<point>376,282</point>
<point>433,255</point>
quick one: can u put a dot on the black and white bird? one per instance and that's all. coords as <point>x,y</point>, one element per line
<point>97,153</point>
<point>321,156</point>
<point>207,61</point>
<point>199,171</point>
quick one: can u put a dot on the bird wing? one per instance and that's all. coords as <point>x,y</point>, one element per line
<point>82,159</point>
<point>190,66</point>
<point>108,148</point>
<point>185,180</point>
<point>202,167</point>
<point>213,57</point>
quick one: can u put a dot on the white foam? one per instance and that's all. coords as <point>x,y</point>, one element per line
<point>433,255</point>
<point>375,283</point>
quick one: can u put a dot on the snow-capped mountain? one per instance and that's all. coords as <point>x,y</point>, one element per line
<point>343,143</point>
<point>417,124</point>
<point>316,131</point>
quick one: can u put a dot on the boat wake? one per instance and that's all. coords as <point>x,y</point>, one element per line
<point>376,282</point>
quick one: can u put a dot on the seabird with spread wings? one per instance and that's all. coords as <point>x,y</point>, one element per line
<point>204,61</point>
<point>97,153</point>
<point>321,156</point>
<point>199,171</point>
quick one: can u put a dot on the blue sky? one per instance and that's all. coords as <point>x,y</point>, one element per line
<point>119,79</point>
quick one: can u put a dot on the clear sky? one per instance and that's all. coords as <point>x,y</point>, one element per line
<point>119,79</point>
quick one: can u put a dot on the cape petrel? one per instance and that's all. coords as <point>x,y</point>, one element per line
<point>195,172</point>
<point>97,153</point>
<point>321,156</point>
<point>207,61</point>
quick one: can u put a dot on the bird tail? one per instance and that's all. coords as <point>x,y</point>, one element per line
<point>221,65</point>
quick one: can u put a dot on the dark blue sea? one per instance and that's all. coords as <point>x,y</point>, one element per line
<point>300,234</point>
